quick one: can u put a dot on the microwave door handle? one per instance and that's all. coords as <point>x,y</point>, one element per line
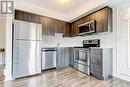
<point>90,27</point>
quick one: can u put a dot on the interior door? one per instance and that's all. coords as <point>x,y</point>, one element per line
<point>26,58</point>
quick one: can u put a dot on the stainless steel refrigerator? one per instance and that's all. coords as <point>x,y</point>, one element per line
<point>27,40</point>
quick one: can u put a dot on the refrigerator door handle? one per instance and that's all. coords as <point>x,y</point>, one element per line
<point>39,28</point>
<point>37,33</point>
<point>36,56</point>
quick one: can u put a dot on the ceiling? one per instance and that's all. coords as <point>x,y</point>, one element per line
<point>55,5</point>
<point>55,9</point>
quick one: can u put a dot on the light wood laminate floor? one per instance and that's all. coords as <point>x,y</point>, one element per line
<point>68,77</point>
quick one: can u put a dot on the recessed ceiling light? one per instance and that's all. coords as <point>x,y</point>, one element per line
<point>64,1</point>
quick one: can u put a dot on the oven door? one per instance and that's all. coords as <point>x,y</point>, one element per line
<point>82,57</point>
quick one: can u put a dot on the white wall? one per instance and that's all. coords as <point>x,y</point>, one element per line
<point>6,41</point>
<point>122,42</point>
<point>1,58</point>
<point>2,35</point>
<point>2,32</point>
<point>2,29</point>
<point>8,51</point>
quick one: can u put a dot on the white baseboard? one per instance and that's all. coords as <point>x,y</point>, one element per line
<point>124,77</point>
<point>8,77</point>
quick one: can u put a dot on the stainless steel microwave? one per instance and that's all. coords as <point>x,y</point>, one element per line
<point>87,28</point>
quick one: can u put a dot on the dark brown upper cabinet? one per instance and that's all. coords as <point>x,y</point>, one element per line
<point>24,16</point>
<point>50,26</point>
<point>46,26</point>
<point>87,18</point>
<point>103,19</point>
<point>92,17</point>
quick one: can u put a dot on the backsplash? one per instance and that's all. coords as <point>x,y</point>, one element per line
<point>108,40</point>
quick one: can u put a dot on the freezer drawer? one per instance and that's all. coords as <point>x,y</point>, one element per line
<point>26,58</point>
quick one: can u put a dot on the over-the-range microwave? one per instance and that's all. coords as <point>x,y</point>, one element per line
<point>87,28</point>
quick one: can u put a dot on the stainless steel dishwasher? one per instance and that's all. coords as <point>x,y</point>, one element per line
<point>49,57</point>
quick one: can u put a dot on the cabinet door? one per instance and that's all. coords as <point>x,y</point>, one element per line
<point>62,27</point>
<point>72,29</point>
<point>92,16</point>
<point>63,57</point>
<point>35,18</point>
<point>71,60</point>
<point>81,21</point>
<point>51,26</point>
<point>47,26</point>
<point>44,28</point>
<point>67,30</point>
<point>66,56</point>
<point>102,21</point>
<point>25,16</point>
<point>87,18</point>
<point>19,15</point>
<point>96,62</point>
<point>60,60</point>
<point>75,28</point>
<point>57,26</point>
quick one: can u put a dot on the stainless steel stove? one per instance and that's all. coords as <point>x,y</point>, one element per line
<point>82,55</point>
